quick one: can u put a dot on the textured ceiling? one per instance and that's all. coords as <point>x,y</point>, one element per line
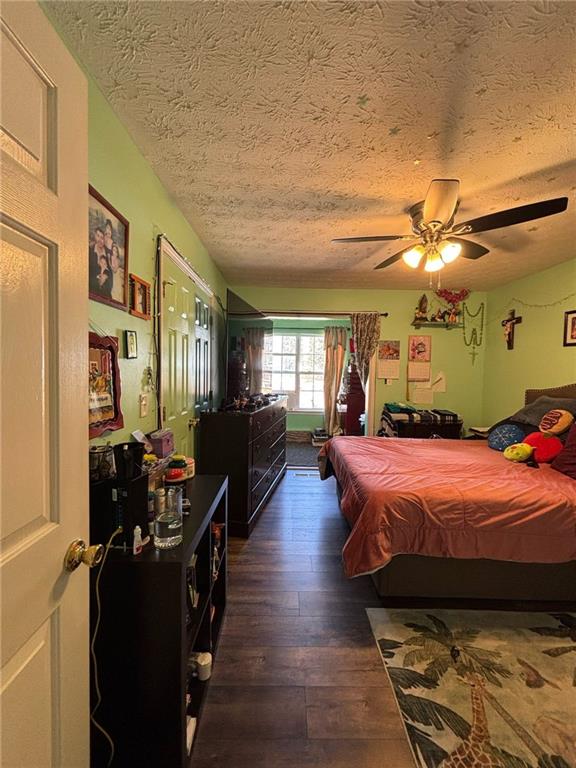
<point>279,125</point>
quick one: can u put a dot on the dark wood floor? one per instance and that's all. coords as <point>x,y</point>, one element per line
<point>298,681</point>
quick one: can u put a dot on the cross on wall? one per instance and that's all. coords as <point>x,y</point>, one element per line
<point>509,324</point>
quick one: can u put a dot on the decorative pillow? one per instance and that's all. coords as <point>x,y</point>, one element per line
<point>533,413</point>
<point>546,447</point>
<point>518,452</point>
<point>504,435</point>
<point>556,421</point>
<point>565,462</point>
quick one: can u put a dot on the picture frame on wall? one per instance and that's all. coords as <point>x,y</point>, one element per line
<point>108,233</point>
<point>570,328</point>
<point>131,344</point>
<point>139,297</point>
<point>104,411</point>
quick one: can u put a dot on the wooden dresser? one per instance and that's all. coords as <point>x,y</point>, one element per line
<point>249,447</point>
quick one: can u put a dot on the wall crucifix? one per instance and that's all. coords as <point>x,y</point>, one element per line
<point>509,324</point>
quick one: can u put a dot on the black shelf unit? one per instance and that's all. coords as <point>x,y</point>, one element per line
<point>148,630</point>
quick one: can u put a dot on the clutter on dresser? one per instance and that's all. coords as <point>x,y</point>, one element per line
<point>137,496</point>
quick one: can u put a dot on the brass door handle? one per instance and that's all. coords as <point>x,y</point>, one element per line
<point>78,553</point>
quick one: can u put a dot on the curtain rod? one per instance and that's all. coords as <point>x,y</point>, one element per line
<point>299,313</point>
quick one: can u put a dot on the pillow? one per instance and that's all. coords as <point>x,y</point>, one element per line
<point>504,435</point>
<point>565,462</point>
<point>533,413</point>
<point>556,421</point>
<point>546,447</point>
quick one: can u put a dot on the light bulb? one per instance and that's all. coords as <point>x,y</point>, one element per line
<point>449,251</point>
<point>413,257</point>
<point>433,261</point>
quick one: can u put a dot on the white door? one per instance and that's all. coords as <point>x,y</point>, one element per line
<point>43,396</point>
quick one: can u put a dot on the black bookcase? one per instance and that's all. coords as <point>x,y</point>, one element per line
<point>148,630</point>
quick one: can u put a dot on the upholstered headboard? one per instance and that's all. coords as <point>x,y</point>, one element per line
<point>569,390</point>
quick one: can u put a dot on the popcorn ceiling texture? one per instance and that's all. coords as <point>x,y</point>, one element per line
<point>276,126</point>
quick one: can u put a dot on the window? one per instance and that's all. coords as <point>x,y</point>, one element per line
<point>295,365</point>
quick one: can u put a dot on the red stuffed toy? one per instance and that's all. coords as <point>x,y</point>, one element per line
<point>546,447</point>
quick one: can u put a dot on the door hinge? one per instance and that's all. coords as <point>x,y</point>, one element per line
<point>163,414</point>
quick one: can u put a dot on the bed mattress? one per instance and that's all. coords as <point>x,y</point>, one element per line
<point>448,498</point>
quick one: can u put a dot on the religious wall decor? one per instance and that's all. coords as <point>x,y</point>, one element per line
<point>104,412</point>
<point>509,324</point>
<point>473,328</point>
<point>453,298</point>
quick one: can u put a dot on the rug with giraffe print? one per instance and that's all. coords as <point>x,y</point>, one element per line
<point>482,688</point>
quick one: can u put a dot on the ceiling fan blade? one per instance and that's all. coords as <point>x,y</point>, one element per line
<point>393,259</point>
<point>373,239</point>
<point>441,201</point>
<point>515,215</point>
<point>470,250</point>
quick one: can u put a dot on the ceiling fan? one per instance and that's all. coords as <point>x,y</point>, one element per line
<point>440,241</point>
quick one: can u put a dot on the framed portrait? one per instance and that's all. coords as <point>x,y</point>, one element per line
<point>139,297</point>
<point>107,252</point>
<point>104,412</point>
<point>570,328</point>
<point>131,344</point>
<point>419,349</point>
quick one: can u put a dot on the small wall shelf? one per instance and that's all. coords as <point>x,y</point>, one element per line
<point>428,324</point>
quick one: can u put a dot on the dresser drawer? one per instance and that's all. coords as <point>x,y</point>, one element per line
<point>261,489</point>
<point>264,419</point>
<point>266,458</point>
<point>261,443</point>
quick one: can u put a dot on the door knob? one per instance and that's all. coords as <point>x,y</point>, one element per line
<point>78,553</point>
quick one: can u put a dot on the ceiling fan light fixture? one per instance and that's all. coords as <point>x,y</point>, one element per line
<point>413,257</point>
<point>433,261</point>
<point>449,252</point>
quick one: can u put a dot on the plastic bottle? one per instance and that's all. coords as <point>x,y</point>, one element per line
<point>137,546</point>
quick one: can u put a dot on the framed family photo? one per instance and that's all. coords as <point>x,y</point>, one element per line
<point>570,328</point>
<point>107,252</point>
<point>139,297</point>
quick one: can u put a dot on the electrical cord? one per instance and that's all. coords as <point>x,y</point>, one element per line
<point>93,652</point>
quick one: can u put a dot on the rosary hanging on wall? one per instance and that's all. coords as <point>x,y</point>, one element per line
<point>473,328</point>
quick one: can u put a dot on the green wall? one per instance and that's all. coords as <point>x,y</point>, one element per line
<point>121,174</point>
<point>449,354</point>
<point>538,359</point>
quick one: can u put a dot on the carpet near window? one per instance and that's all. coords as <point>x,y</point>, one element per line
<point>301,454</point>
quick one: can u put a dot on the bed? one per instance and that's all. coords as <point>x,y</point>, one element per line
<point>454,519</point>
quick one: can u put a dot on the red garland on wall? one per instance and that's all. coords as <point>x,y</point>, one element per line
<point>453,297</point>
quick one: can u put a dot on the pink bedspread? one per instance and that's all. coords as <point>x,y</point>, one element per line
<point>448,498</point>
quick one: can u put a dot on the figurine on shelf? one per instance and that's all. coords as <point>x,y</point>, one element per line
<point>439,316</point>
<point>421,314</point>
<point>454,315</point>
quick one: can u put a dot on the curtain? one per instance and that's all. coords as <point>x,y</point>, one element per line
<point>365,333</point>
<point>254,355</point>
<point>335,352</point>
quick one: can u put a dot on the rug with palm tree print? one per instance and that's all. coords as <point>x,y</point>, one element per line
<point>485,689</point>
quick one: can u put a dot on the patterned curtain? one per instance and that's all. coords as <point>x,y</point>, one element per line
<point>254,354</point>
<point>365,333</point>
<point>335,352</point>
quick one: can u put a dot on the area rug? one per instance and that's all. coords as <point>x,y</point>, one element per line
<point>301,455</point>
<point>486,689</point>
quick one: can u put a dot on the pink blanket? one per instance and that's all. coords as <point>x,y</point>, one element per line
<point>448,498</point>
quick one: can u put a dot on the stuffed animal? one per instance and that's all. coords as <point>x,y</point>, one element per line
<point>546,447</point>
<point>518,452</point>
